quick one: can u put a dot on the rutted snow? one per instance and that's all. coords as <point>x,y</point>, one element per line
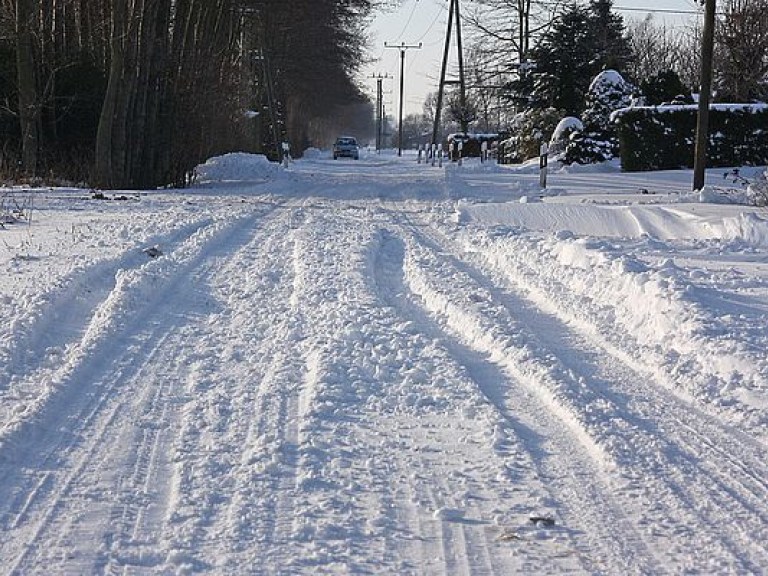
<point>384,367</point>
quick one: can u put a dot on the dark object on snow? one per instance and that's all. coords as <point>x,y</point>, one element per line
<point>508,536</point>
<point>99,196</point>
<point>346,146</point>
<point>545,521</point>
<point>153,252</point>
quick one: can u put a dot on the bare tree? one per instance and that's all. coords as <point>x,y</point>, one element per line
<point>741,37</point>
<point>29,106</point>
<point>173,82</point>
<point>507,28</point>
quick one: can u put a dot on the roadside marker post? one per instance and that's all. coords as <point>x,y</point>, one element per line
<point>286,146</point>
<point>543,157</point>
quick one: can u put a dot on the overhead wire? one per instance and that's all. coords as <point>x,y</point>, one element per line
<point>432,25</point>
<point>407,22</point>
<point>680,11</point>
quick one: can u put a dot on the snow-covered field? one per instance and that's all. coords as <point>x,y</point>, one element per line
<point>381,367</point>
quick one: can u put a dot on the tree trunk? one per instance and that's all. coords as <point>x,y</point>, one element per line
<point>29,109</point>
<point>105,176</point>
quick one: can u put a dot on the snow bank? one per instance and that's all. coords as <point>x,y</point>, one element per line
<point>648,221</point>
<point>236,166</point>
<point>315,154</point>
<point>670,316</point>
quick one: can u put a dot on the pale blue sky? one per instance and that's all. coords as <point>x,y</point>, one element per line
<point>425,21</point>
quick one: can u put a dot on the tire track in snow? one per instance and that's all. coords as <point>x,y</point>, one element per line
<point>688,368</point>
<point>726,461</point>
<point>248,452</point>
<point>576,476</point>
<point>502,393</point>
<point>90,404</point>
<point>63,318</point>
<point>621,391</point>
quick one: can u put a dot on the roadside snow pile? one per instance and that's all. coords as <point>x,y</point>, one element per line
<point>649,221</point>
<point>312,153</point>
<point>748,228</point>
<point>668,315</point>
<point>719,195</point>
<point>236,167</point>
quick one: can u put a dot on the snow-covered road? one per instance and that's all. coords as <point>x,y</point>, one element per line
<point>378,367</point>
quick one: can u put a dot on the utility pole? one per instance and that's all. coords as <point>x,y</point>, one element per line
<point>379,105</point>
<point>453,14</point>
<point>402,47</point>
<point>379,108</point>
<point>702,123</point>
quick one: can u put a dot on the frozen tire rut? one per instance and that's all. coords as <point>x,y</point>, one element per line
<point>687,482</point>
<point>311,385</point>
<point>93,457</point>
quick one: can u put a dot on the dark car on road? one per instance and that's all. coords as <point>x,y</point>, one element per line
<point>346,146</point>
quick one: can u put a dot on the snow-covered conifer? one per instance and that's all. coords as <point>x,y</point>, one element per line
<point>598,141</point>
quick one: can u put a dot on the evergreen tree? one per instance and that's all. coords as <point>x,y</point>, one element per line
<point>665,86</point>
<point>563,60</point>
<point>581,43</point>
<point>611,46</point>
<point>598,141</point>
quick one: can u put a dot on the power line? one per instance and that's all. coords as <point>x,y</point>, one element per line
<point>432,25</point>
<point>657,10</point>
<point>407,22</point>
<point>681,12</point>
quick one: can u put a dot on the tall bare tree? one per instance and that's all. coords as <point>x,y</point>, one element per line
<point>147,89</point>
<point>29,105</point>
<point>741,37</point>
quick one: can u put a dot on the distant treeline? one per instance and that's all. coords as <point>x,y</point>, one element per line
<point>135,93</point>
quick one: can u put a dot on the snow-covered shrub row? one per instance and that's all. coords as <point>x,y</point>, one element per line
<point>472,144</point>
<point>663,137</point>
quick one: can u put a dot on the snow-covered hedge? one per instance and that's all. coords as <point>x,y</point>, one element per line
<point>662,137</point>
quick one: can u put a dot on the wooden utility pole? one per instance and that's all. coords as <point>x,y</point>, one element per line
<point>702,123</point>
<point>453,15</point>
<point>379,119</point>
<point>402,47</point>
<point>379,108</point>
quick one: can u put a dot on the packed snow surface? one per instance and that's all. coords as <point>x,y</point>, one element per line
<point>384,367</point>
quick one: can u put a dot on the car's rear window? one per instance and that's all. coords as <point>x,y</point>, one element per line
<point>346,141</point>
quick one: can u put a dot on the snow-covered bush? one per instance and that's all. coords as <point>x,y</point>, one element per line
<point>530,128</point>
<point>598,141</point>
<point>562,134</point>
<point>758,190</point>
